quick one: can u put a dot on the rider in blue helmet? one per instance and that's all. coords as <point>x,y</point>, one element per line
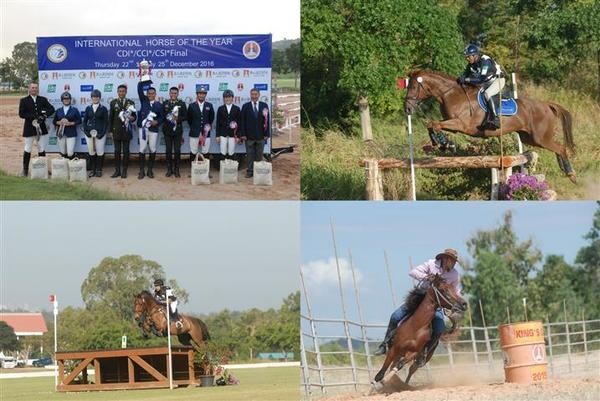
<point>483,71</point>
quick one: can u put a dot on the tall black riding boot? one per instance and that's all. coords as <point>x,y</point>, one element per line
<point>169,157</point>
<point>99,165</point>
<point>93,162</point>
<point>142,173</point>
<point>493,108</point>
<point>42,154</point>
<point>26,158</point>
<point>117,172</point>
<point>151,158</point>
<point>389,334</point>
<point>176,165</point>
<point>125,163</point>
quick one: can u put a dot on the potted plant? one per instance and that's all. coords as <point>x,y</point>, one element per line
<point>207,362</point>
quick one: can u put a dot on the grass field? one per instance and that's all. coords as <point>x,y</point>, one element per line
<point>287,81</point>
<point>266,384</point>
<point>21,188</point>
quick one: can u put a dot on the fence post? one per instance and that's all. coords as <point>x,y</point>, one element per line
<point>365,119</point>
<point>584,335</point>
<point>495,184</point>
<point>374,180</point>
<point>450,357</point>
<point>346,327</point>
<point>314,334</point>
<point>389,277</point>
<point>304,363</point>
<point>550,345</point>
<point>488,346</point>
<point>473,339</point>
<point>360,316</point>
<point>568,335</point>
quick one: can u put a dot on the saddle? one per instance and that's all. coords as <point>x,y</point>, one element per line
<point>509,105</point>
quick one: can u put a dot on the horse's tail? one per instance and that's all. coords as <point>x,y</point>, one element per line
<point>567,124</point>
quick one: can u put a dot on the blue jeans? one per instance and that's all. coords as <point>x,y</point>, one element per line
<point>438,325</point>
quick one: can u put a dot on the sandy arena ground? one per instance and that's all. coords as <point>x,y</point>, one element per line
<point>467,382</point>
<point>286,169</point>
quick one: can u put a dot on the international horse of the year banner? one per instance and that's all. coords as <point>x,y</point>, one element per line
<point>80,64</point>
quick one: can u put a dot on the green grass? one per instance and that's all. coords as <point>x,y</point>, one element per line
<point>263,384</point>
<point>287,81</point>
<point>21,188</point>
<point>330,161</point>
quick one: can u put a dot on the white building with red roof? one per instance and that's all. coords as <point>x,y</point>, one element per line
<point>25,324</point>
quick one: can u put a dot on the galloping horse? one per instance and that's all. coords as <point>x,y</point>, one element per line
<point>412,334</point>
<point>151,316</point>
<point>535,120</point>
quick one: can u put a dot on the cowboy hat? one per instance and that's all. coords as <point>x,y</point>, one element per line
<point>451,253</point>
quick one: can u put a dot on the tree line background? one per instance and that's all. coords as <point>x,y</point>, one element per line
<point>107,294</point>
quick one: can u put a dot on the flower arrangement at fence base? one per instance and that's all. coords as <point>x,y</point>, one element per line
<point>208,360</point>
<point>525,187</point>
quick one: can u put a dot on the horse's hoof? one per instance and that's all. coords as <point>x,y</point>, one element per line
<point>573,177</point>
<point>377,386</point>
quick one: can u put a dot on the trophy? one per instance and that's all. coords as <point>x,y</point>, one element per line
<point>144,67</point>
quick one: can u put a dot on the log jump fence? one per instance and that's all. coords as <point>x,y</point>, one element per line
<point>501,168</point>
<point>125,369</point>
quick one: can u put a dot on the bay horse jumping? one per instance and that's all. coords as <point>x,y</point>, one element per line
<point>151,317</point>
<point>415,331</point>
<point>535,121</point>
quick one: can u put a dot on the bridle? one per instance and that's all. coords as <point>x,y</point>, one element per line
<point>415,99</point>
<point>439,294</point>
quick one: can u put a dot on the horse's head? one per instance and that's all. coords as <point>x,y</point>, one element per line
<point>445,295</point>
<point>138,306</point>
<point>417,90</point>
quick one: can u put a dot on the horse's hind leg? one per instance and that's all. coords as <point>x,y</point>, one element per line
<point>562,158</point>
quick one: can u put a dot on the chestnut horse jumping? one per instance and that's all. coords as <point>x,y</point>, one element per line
<point>415,331</point>
<point>535,121</point>
<point>151,317</point>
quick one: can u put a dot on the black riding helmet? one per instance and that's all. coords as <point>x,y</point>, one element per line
<point>159,281</point>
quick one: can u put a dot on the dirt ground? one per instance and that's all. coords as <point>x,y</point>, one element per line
<point>286,169</point>
<point>558,390</point>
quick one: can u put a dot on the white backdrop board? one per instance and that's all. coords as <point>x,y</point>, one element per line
<point>80,64</point>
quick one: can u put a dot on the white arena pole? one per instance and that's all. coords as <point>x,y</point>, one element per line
<point>168,293</point>
<point>55,304</point>
<point>412,164</point>
<point>516,96</point>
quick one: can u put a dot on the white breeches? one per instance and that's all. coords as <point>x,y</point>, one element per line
<point>42,143</point>
<point>149,142</point>
<point>195,144</point>
<point>173,305</point>
<point>227,145</point>
<point>95,145</point>
<point>67,145</point>
<point>495,86</point>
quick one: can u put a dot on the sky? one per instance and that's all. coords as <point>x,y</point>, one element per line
<point>417,231</point>
<point>24,20</point>
<point>235,255</point>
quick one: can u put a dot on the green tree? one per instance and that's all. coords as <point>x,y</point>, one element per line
<point>587,276</point>
<point>24,63</point>
<point>494,283</point>
<point>8,338</point>
<point>521,257</point>
<point>278,61</point>
<point>292,57</point>
<point>114,281</point>
<point>552,285</point>
<point>357,47</point>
